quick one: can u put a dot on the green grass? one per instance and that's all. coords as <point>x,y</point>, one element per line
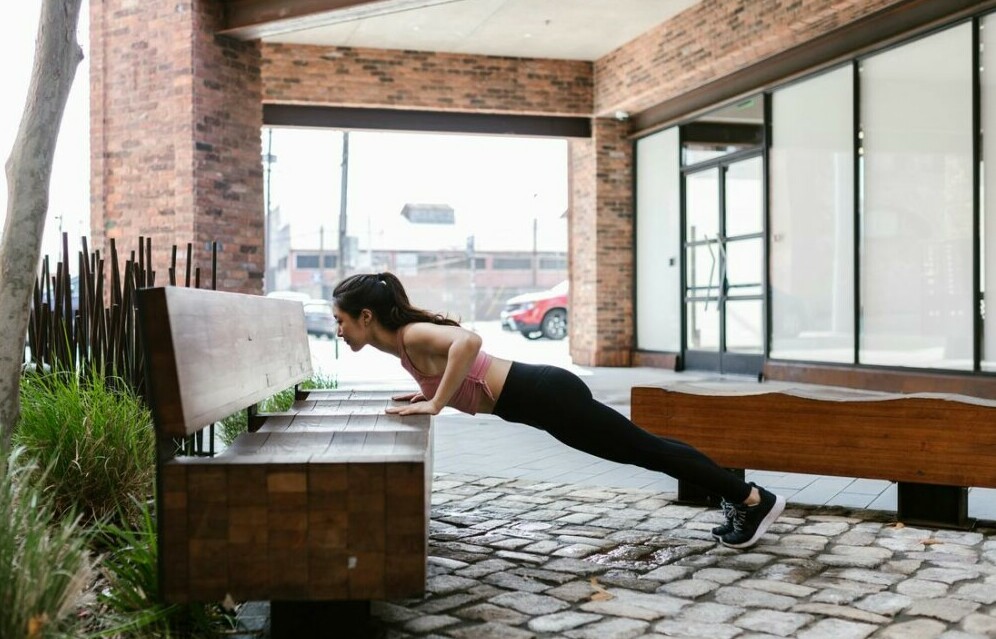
<point>45,567</point>
<point>237,423</point>
<point>95,441</point>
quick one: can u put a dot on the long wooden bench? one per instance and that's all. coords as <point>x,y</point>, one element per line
<point>318,510</point>
<point>933,445</point>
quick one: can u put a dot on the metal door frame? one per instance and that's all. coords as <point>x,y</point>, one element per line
<point>721,360</point>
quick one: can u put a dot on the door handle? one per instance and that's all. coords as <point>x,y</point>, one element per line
<point>721,243</point>
<point>712,267</point>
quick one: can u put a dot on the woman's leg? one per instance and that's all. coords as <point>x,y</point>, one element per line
<point>557,401</point>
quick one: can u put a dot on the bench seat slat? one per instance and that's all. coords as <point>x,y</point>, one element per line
<point>330,394</point>
<point>328,446</point>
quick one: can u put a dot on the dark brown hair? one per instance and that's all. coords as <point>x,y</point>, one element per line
<point>386,298</point>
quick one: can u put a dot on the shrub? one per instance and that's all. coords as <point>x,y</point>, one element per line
<point>237,423</point>
<point>94,438</point>
<point>45,567</point>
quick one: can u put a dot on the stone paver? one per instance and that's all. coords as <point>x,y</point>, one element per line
<point>543,559</point>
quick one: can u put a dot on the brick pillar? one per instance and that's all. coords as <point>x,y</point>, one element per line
<point>175,119</point>
<point>601,246</point>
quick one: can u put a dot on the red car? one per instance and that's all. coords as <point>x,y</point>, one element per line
<point>535,315</point>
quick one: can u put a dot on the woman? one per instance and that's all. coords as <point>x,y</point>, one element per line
<point>451,370</point>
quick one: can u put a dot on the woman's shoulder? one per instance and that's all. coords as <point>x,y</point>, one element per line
<point>429,334</point>
<point>425,329</point>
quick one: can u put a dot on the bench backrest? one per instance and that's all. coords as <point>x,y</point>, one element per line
<point>210,354</point>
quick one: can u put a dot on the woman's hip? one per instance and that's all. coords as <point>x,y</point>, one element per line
<point>536,392</point>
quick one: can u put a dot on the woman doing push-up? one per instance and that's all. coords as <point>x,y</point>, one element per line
<point>451,370</point>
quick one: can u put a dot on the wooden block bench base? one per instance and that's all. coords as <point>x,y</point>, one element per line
<point>918,440</point>
<point>933,505</point>
<point>319,619</point>
<point>286,516</point>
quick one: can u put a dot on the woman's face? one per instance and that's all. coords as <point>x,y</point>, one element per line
<point>351,330</point>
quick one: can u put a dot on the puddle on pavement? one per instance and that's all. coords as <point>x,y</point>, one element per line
<point>641,558</point>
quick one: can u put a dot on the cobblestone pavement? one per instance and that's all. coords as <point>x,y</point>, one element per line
<point>516,559</point>
<point>513,558</point>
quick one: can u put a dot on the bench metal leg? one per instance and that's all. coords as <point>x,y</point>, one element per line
<point>314,619</point>
<point>933,505</point>
<point>691,494</point>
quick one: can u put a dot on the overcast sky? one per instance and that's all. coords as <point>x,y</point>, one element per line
<point>69,195</point>
<point>496,185</point>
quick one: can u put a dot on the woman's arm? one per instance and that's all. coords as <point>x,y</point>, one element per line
<point>457,346</point>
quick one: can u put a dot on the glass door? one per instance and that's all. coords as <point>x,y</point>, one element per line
<point>724,264</point>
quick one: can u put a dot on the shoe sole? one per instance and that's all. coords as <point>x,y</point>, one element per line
<point>773,514</point>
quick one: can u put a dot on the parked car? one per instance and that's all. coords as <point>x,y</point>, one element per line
<point>535,315</point>
<point>318,318</point>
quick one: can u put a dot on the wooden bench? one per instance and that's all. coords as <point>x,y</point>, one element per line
<point>326,503</point>
<point>933,445</point>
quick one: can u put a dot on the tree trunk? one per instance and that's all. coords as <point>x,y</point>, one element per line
<point>29,171</point>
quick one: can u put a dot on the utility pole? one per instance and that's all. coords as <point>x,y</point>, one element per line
<point>343,184</point>
<point>535,257</point>
<point>269,278</point>
<point>472,263</point>
<point>321,262</point>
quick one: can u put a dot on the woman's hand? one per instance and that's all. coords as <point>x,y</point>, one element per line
<point>423,407</point>
<point>409,397</point>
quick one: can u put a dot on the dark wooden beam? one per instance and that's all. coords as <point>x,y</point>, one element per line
<point>898,21</point>
<point>724,133</point>
<point>253,19</point>
<point>430,121</point>
<point>656,359</point>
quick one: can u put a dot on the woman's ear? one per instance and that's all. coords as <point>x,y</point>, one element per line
<point>366,316</point>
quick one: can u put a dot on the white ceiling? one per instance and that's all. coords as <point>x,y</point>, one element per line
<point>558,29</point>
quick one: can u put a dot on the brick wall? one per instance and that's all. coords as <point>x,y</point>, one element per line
<point>601,246</point>
<point>342,76</point>
<point>137,183</point>
<point>175,136</point>
<point>710,40</point>
<point>227,149</point>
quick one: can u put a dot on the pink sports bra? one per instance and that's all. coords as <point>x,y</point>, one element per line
<point>468,394</point>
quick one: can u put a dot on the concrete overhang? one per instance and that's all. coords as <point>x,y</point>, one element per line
<point>550,29</point>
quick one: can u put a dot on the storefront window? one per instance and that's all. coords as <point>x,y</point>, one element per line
<point>658,243</point>
<point>811,247</point>
<point>917,214</point>
<point>987,63</point>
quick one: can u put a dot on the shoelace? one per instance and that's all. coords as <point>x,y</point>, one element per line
<point>728,509</point>
<point>739,517</point>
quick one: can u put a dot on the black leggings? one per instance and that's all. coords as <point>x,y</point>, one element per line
<point>557,401</point>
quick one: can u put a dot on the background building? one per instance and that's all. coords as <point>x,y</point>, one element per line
<point>788,187</point>
<point>441,267</point>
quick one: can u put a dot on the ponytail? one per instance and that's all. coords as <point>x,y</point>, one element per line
<point>386,298</point>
